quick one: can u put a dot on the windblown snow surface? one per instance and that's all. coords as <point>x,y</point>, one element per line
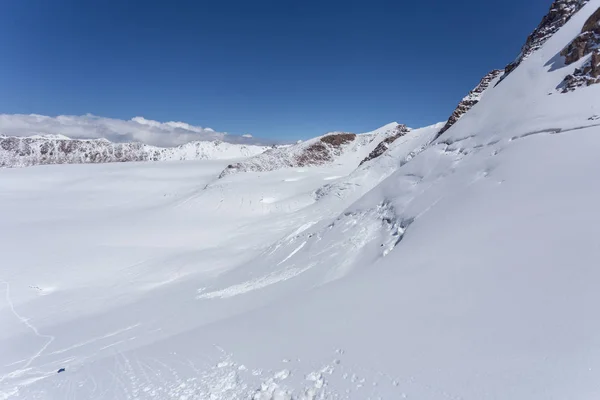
<point>463,269</point>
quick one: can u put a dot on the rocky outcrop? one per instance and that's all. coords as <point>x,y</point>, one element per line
<point>385,144</point>
<point>470,100</point>
<point>586,43</point>
<point>324,150</point>
<point>315,152</point>
<point>587,75</point>
<point>560,13</point>
<point>335,147</point>
<point>28,151</point>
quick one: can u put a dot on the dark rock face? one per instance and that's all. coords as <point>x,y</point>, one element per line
<point>560,13</point>
<point>385,144</point>
<point>593,22</point>
<point>587,42</point>
<point>587,75</point>
<point>315,154</point>
<point>338,139</point>
<point>470,100</point>
<point>324,150</point>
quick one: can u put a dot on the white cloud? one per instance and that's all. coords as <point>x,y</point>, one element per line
<point>89,126</point>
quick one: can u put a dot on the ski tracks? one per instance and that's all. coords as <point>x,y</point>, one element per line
<point>25,321</point>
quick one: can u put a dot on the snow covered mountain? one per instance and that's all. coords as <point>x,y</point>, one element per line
<point>56,149</point>
<point>333,147</point>
<point>458,267</point>
<point>560,13</point>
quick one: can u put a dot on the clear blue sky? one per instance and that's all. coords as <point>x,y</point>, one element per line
<point>273,68</point>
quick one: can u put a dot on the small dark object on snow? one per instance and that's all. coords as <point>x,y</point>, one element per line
<point>61,370</point>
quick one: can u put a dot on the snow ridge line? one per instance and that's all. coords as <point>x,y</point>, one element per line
<point>26,322</point>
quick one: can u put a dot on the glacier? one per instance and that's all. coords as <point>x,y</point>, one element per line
<point>454,266</point>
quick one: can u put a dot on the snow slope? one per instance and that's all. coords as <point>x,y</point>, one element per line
<point>113,241</point>
<point>474,96</point>
<point>468,272</point>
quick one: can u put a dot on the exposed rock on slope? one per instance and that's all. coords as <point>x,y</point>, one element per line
<point>588,74</point>
<point>324,150</point>
<point>385,144</point>
<point>586,43</point>
<point>28,151</point>
<point>560,13</point>
<point>319,151</point>
<point>471,99</point>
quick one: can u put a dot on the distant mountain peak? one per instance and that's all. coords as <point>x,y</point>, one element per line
<point>58,149</point>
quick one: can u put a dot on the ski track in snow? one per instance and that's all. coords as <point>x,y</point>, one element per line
<point>252,285</point>
<point>95,339</point>
<point>26,322</point>
<point>293,253</point>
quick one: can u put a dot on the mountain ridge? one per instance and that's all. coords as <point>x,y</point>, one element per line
<point>43,150</point>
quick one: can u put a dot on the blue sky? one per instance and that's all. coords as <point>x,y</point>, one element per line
<point>274,68</point>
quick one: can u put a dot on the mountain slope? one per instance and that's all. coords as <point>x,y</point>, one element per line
<point>560,13</point>
<point>472,98</point>
<point>477,258</point>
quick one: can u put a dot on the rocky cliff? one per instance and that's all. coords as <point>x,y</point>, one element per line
<point>586,43</point>
<point>471,99</point>
<point>560,13</point>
